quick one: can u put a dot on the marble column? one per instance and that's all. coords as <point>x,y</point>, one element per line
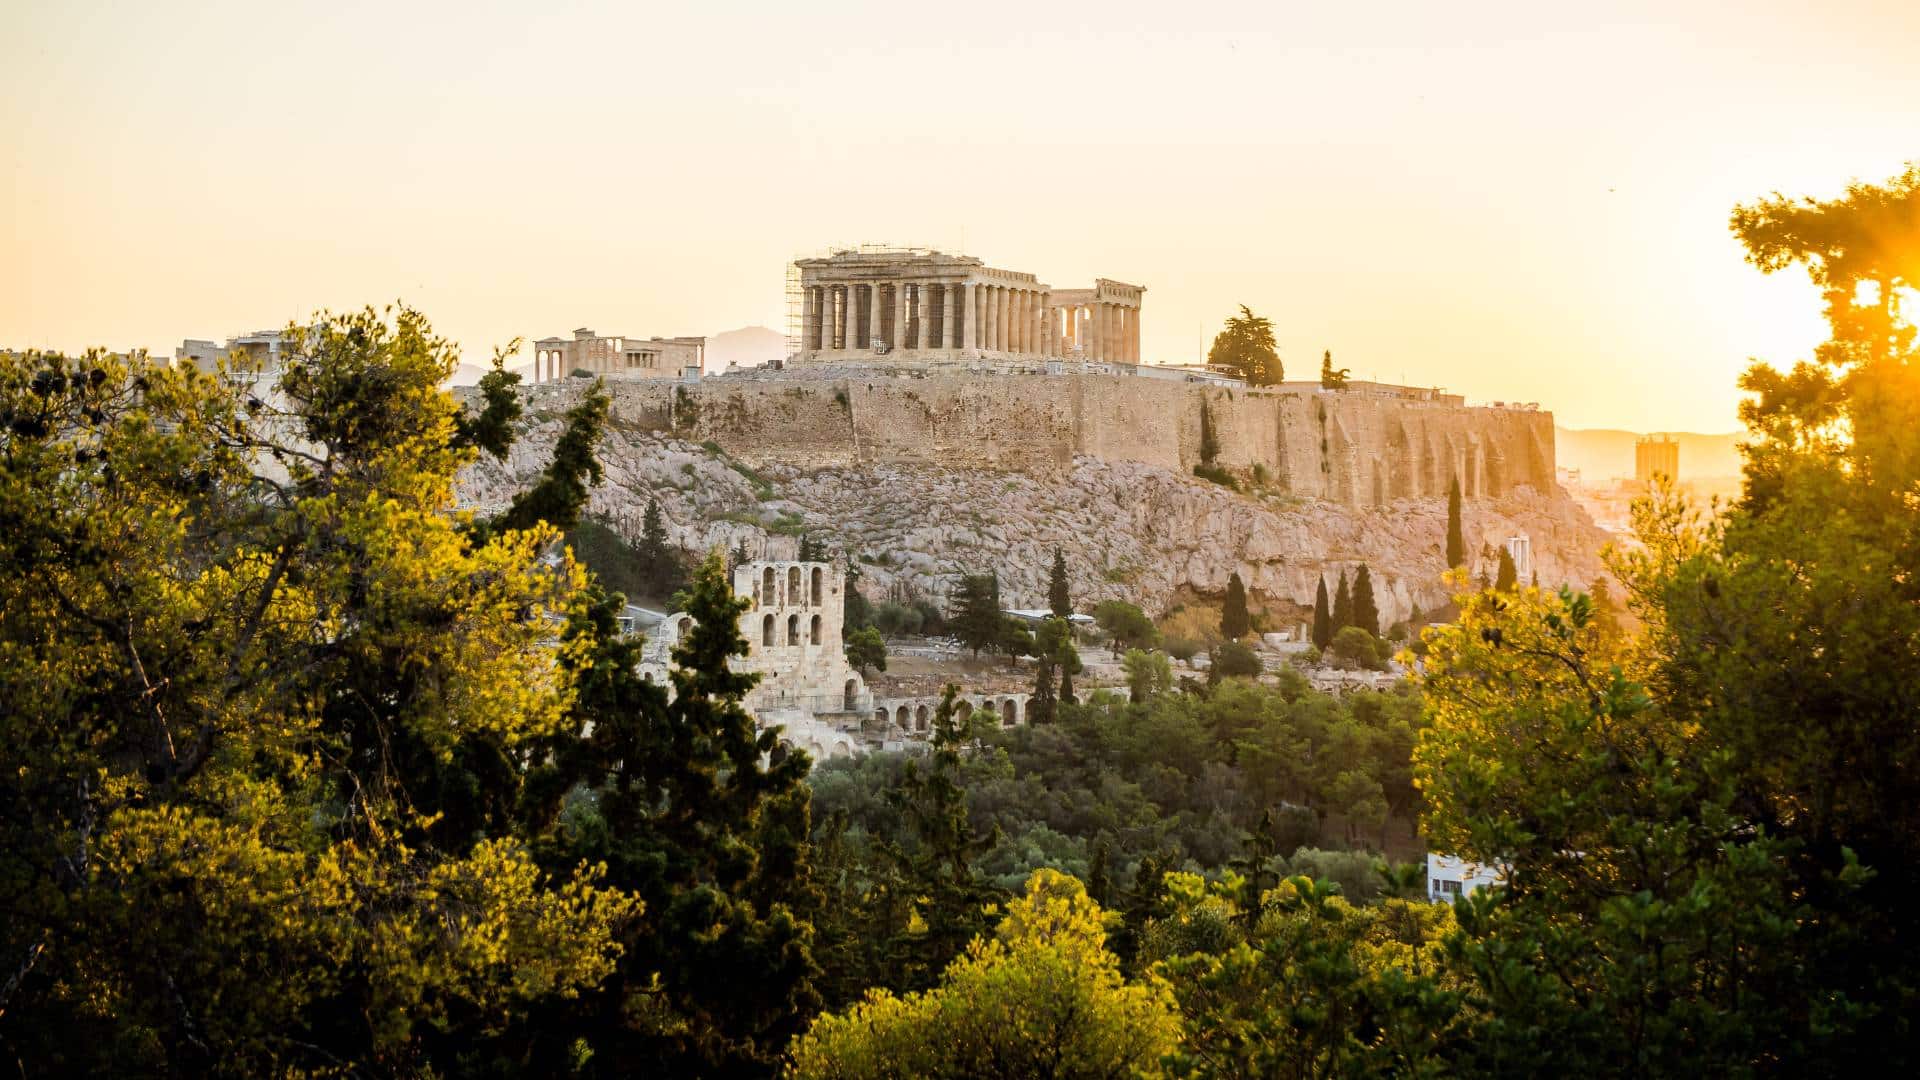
<point>1017,304</point>
<point>839,329</point>
<point>1007,331</point>
<point>897,332</point>
<point>808,309</point>
<point>992,323</point>
<point>1133,335</point>
<point>949,308</point>
<point>1102,332</point>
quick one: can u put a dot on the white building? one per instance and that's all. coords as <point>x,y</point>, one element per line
<point>1449,878</point>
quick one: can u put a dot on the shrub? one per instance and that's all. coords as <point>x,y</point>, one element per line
<point>1234,660</point>
<point>1182,649</point>
<point>1216,474</point>
<point>1354,648</point>
<point>897,619</point>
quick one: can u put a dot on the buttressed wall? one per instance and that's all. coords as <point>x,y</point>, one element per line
<point>1359,449</point>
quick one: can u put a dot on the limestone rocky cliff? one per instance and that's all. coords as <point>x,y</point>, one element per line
<point>1135,530</point>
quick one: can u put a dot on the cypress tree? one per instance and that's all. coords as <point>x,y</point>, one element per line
<point>1456,539</point>
<point>1209,442</point>
<point>1342,606</point>
<point>976,618</point>
<point>1322,617</point>
<point>1234,620</point>
<point>659,563</point>
<point>1509,575</point>
<point>1366,615</point>
<point>1058,597</point>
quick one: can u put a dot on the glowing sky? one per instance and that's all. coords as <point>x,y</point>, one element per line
<point>1523,202</point>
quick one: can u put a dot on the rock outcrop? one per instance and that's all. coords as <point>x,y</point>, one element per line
<point>1141,531</point>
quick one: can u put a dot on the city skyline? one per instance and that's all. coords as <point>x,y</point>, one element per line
<point>1513,204</point>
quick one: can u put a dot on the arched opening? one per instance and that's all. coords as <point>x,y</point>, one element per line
<point>1009,712</point>
<point>900,716</point>
<point>963,710</point>
<point>920,718</point>
<point>880,714</point>
<point>793,585</point>
<point>852,696</point>
<point>814,635</point>
<point>766,589</point>
<point>793,629</point>
<point>766,630</point>
<point>818,579</point>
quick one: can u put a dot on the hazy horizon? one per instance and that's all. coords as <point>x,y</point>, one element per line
<point>1514,203</point>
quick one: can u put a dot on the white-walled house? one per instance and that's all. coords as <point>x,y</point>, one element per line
<point>1449,878</point>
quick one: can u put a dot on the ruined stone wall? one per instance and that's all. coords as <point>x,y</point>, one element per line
<point>1357,449</point>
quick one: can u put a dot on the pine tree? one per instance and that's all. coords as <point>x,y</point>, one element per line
<point>1366,615</point>
<point>1234,620</point>
<point>946,901</point>
<point>1058,596</point>
<point>976,619</point>
<point>659,562</point>
<point>1322,617</point>
<point>1508,575</point>
<point>1456,539</point>
<point>1331,378</point>
<point>684,786</point>
<point>1342,606</point>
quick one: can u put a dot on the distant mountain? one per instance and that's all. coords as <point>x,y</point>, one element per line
<point>1602,453</point>
<point>749,346</point>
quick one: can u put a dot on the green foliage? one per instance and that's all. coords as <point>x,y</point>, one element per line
<point>1246,347</point>
<point>1322,633</point>
<point>1710,856</point>
<point>648,571</point>
<point>856,613</point>
<point>1126,624</point>
<point>898,620</point>
<point>1234,622</point>
<point>491,429</point>
<point>264,734</point>
<point>1209,439</point>
<point>1043,996</point>
<point>1366,615</point>
<point>1456,539</point>
<point>1233,660</point>
<point>1179,780</point>
<point>1331,378</point>
<point>1508,576</point>
<point>1316,987</point>
<point>866,650</point>
<point>560,493</point>
<point>976,618</point>
<point>1218,475</point>
<point>1148,674</point>
<point>1342,605</point>
<point>1353,647</point>
<point>1059,597</point>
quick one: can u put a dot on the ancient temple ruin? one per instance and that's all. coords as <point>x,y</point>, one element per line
<point>917,305</point>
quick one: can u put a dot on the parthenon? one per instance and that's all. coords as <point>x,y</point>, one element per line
<point>920,305</point>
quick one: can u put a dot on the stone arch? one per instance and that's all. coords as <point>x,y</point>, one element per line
<point>880,714</point>
<point>920,718</point>
<point>766,631</point>
<point>841,748</point>
<point>813,635</point>
<point>793,629</point>
<point>819,579</point>
<point>852,696</point>
<point>903,717</point>
<point>962,709</point>
<point>1009,712</point>
<point>793,585</point>
<point>767,598</point>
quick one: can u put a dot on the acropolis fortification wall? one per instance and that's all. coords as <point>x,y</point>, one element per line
<point>1358,448</point>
